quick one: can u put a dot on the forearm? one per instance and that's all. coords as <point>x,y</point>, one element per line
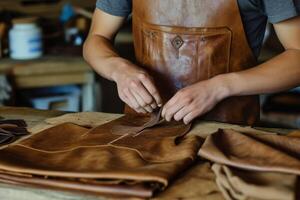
<point>101,55</point>
<point>278,74</point>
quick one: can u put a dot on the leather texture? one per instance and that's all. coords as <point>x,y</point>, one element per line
<point>197,183</point>
<point>11,130</point>
<point>295,133</point>
<point>117,189</point>
<point>182,42</point>
<point>270,153</point>
<point>136,162</point>
<point>238,184</point>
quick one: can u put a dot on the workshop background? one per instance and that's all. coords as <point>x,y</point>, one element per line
<point>41,64</point>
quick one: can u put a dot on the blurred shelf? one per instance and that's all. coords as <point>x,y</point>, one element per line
<point>52,71</point>
<point>42,8</point>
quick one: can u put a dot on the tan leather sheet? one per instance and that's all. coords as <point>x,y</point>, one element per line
<point>273,153</point>
<point>198,182</point>
<point>105,153</point>
<point>237,184</point>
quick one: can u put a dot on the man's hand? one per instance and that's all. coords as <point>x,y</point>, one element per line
<point>136,88</point>
<point>195,100</point>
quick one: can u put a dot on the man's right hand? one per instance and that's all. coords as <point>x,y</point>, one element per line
<point>136,88</point>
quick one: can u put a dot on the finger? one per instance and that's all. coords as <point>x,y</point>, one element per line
<point>141,110</point>
<point>148,84</point>
<point>169,105</point>
<point>123,97</point>
<point>131,99</point>
<point>132,102</point>
<point>126,100</point>
<point>139,88</point>
<point>171,111</point>
<point>190,117</point>
<point>149,109</point>
<point>182,113</point>
<point>153,106</point>
<point>141,102</point>
<point>145,97</point>
<point>173,101</point>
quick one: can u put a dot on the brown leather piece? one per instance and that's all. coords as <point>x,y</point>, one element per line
<point>155,119</point>
<point>198,182</point>
<point>182,42</point>
<point>68,151</point>
<point>271,153</point>
<point>11,130</point>
<point>116,190</point>
<point>18,122</point>
<point>238,184</point>
<point>294,134</point>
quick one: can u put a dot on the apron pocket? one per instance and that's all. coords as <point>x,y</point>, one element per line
<point>179,56</point>
<point>214,51</point>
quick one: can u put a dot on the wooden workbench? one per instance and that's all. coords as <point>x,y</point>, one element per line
<point>37,117</point>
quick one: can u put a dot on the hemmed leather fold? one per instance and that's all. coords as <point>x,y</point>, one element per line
<point>272,153</point>
<point>139,162</point>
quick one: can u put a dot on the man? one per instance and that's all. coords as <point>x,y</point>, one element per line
<point>165,34</point>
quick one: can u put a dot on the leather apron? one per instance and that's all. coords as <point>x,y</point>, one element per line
<point>182,42</point>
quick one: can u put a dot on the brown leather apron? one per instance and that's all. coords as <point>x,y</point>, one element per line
<point>182,42</point>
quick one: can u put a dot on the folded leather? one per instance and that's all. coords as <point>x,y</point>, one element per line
<point>198,182</point>
<point>78,186</point>
<point>69,151</point>
<point>238,184</point>
<point>271,153</point>
<point>10,130</point>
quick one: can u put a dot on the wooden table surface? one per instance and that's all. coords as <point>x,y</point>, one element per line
<point>37,117</point>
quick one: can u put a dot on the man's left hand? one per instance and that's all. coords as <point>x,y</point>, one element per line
<point>195,100</point>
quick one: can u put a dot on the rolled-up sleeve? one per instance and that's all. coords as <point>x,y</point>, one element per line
<point>280,10</point>
<point>120,8</point>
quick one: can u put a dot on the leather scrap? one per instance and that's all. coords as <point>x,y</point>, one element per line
<point>155,119</point>
<point>11,130</point>
<point>198,182</point>
<point>295,133</point>
<point>237,184</point>
<point>269,153</point>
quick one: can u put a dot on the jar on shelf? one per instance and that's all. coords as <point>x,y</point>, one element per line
<point>25,39</point>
